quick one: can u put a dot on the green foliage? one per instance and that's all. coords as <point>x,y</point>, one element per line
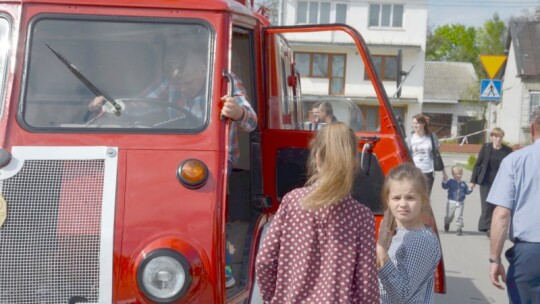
<point>452,43</point>
<point>491,37</point>
<point>458,43</point>
<point>470,162</point>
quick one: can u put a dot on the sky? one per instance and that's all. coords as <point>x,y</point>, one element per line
<point>475,12</point>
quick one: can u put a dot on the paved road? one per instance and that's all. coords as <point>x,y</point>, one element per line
<point>466,256</point>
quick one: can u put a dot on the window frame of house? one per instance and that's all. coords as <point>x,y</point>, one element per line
<point>305,17</point>
<point>382,69</point>
<point>372,116</point>
<point>391,17</point>
<point>534,102</point>
<point>329,69</point>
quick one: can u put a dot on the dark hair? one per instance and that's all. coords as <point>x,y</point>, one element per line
<point>421,118</point>
<point>326,107</point>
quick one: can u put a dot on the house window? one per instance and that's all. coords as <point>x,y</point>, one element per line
<point>323,65</point>
<point>386,67</point>
<point>386,15</point>
<point>372,117</point>
<point>440,124</point>
<point>341,13</point>
<point>535,102</point>
<point>316,12</point>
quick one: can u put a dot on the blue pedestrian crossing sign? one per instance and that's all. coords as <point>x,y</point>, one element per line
<point>490,89</point>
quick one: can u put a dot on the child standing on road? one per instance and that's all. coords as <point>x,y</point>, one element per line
<point>407,250</point>
<point>457,189</point>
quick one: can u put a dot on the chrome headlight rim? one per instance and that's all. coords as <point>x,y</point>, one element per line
<point>164,252</point>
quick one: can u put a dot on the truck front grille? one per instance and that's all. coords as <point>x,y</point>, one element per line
<point>50,243</point>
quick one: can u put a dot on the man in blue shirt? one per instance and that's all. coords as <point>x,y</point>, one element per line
<point>516,194</point>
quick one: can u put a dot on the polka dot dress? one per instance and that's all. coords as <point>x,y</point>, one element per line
<point>319,256</point>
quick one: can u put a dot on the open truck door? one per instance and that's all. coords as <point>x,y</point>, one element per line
<point>287,130</point>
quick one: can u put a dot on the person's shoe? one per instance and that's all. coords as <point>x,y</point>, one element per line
<point>229,279</point>
<point>446,227</point>
<point>459,232</point>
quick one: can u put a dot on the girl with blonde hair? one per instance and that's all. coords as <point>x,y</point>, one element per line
<point>319,229</point>
<point>407,250</point>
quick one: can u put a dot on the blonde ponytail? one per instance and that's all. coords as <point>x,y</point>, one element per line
<point>336,147</point>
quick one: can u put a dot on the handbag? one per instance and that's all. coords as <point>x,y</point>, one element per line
<point>438,164</point>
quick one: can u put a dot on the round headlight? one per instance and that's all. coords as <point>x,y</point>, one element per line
<point>164,275</point>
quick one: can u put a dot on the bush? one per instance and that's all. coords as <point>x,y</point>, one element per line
<point>470,162</point>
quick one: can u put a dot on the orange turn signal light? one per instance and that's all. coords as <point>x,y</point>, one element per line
<point>192,173</point>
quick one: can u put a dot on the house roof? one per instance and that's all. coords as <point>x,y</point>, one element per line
<point>448,82</point>
<point>525,38</point>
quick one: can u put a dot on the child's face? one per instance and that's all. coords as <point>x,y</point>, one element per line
<point>405,204</point>
<point>457,174</point>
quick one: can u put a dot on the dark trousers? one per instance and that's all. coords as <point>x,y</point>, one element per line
<point>484,222</point>
<point>430,178</point>
<point>523,277</point>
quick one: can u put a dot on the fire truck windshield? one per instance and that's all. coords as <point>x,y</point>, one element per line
<point>96,74</point>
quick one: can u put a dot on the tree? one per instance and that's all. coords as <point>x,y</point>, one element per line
<point>465,44</point>
<point>526,15</point>
<point>491,37</point>
<point>452,43</point>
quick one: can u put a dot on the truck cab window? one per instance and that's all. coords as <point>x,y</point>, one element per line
<point>120,75</point>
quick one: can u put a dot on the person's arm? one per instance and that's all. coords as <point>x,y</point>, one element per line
<point>266,263</point>
<point>479,161</point>
<point>444,183</point>
<point>248,121</point>
<point>365,273</point>
<point>384,239</point>
<point>408,270</point>
<point>468,190</point>
<point>238,108</point>
<point>499,227</point>
<point>502,195</point>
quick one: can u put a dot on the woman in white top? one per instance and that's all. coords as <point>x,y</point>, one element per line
<point>421,147</point>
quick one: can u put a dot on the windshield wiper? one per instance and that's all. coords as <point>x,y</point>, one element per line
<point>97,91</point>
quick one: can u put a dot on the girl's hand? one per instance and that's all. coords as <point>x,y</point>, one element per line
<point>386,231</point>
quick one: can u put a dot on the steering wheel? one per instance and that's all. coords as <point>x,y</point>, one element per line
<point>142,112</point>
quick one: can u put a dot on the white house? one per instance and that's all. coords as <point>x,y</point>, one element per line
<point>449,91</point>
<point>521,83</point>
<point>330,65</point>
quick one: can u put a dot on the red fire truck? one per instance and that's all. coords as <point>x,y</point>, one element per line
<point>133,205</point>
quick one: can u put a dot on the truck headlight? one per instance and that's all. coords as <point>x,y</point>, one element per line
<point>164,275</point>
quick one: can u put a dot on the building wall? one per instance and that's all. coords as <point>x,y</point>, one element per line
<point>411,38</point>
<point>508,114</point>
<point>456,110</point>
<point>413,31</point>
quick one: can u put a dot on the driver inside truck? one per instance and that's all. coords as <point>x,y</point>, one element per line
<point>185,83</point>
